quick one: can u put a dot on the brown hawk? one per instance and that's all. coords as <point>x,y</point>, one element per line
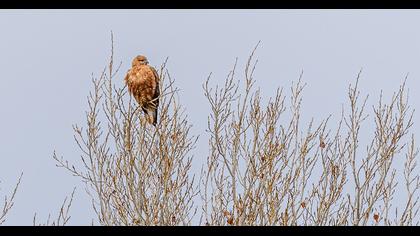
<point>143,84</point>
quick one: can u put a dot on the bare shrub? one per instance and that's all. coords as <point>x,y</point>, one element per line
<point>265,168</point>
<point>135,173</point>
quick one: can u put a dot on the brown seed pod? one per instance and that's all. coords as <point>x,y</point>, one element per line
<point>335,169</point>
<point>136,221</point>
<point>376,217</point>
<point>230,220</point>
<point>226,213</point>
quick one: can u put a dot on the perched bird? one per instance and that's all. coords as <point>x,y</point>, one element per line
<point>143,84</point>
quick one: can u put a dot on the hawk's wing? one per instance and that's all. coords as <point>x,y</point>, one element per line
<point>157,88</point>
<point>128,81</point>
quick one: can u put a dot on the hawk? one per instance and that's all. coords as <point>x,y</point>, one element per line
<point>142,81</point>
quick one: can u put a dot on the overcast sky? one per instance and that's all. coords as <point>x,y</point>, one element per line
<point>47,58</point>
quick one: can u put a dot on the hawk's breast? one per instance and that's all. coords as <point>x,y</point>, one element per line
<point>141,83</point>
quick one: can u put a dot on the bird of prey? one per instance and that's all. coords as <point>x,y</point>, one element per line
<point>142,81</point>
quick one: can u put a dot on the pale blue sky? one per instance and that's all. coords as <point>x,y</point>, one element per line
<point>48,56</point>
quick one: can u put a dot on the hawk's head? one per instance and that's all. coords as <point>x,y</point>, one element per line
<point>139,60</point>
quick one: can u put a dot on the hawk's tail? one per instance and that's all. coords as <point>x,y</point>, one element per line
<point>152,116</point>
